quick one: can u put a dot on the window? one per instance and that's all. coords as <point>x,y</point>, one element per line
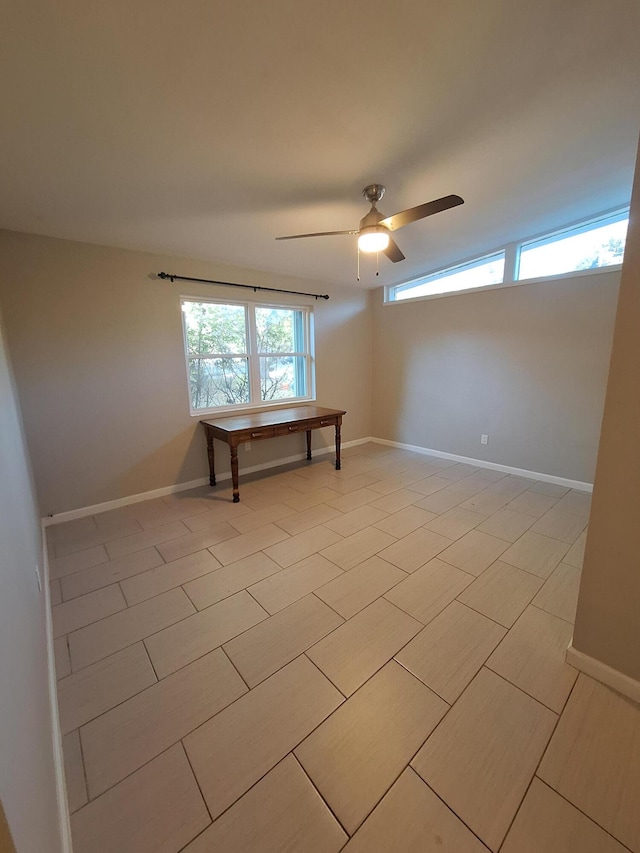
<point>241,355</point>
<point>598,243</point>
<point>478,273</point>
<point>590,245</point>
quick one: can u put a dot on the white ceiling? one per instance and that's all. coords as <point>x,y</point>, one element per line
<point>204,128</point>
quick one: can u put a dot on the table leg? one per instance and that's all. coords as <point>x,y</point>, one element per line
<point>212,466</point>
<point>308,444</point>
<point>338,431</point>
<point>233,449</point>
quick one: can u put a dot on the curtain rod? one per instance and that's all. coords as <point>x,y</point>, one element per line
<point>254,287</point>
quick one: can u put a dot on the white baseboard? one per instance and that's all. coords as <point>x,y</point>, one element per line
<point>494,466</point>
<point>72,514</point>
<point>56,734</point>
<point>613,678</point>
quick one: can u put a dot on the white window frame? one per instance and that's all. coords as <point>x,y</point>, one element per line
<point>512,262</point>
<point>253,356</point>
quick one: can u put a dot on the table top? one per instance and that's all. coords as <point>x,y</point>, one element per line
<point>274,418</point>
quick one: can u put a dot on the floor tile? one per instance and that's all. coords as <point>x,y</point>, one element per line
<point>353,500</point>
<point>448,653</point>
<point>158,517</point>
<point>222,511</point>
<point>105,574</point>
<point>455,523</point>
<point>429,590</point>
<point>62,566</point>
<point>253,520</point>
<point>189,639</point>
<point>575,554</point>
<point>62,659</point>
<point>267,647</point>
<point>96,537</point>
<point>103,638</point>
<point>549,489</point>
<point>532,503</point>
<point>313,498</point>
<point>296,548</point>
<point>547,821</point>
<point>511,485</point>
<point>71,529</point>
<point>598,738</point>
<point>356,519</point>
<point>536,554</point>
<point>497,734</point>
<point>168,576</point>
<point>414,550</point>
<point>358,547</point>
<point>532,656</point>
<point>159,809</point>
<point>443,500</point>
<point>560,525</point>
<point>352,653</point>
<point>576,502</point>
<point>411,819</point>
<point>55,593</point>
<point>238,746</point>
<point>301,521</point>
<point>246,544</point>
<point>193,542</point>
<point>282,589</point>
<point>281,812</point>
<point>89,608</point>
<point>507,524</point>
<point>383,724</point>
<point>429,485</point>
<point>351,591</point>
<point>74,771</point>
<point>474,552</point>
<point>125,738</point>
<point>405,521</point>
<point>501,592</point>
<point>485,503</point>
<point>559,595</point>
<point>395,500</point>
<point>232,578</point>
<point>138,541</point>
<point>97,688</point>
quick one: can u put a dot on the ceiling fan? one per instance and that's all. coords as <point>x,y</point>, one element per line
<point>374,230</point>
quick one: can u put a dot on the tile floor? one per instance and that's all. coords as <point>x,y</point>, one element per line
<point>364,660</point>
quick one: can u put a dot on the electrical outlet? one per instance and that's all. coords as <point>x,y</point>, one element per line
<point>247,446</point>
<point>38,579</point>
<point>484,439</point>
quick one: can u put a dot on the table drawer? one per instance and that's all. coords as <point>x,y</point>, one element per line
<point>258,433</point>
<point>288,429</point>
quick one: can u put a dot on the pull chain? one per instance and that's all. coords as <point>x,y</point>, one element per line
<point>358,276</point>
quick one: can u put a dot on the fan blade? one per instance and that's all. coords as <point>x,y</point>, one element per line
<point>317,234</point>
<point>393,252</point>
<point>398,220</point>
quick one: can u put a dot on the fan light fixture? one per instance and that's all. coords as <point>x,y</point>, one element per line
<point>374,239</point>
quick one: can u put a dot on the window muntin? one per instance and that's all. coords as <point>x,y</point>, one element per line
<point>480,272</point>
<point>242,355</point>
<point>591,245</point>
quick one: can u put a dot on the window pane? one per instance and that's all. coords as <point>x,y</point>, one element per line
<point>588,247</point>
<point>480,273</point>
<point>213,328</point>
<point>218,382</point>
<point>280,330</point>
<point>282,377</point>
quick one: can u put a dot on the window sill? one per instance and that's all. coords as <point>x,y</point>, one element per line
<point>251,408</point>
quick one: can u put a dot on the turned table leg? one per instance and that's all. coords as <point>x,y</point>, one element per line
<point>308,444</point>
<point>212,466</point>
<point>233,449</point>
<point>338,431</point>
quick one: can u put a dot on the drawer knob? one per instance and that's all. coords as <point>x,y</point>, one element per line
<point>323,423</point>
<point>293,429</point>
<point>256,434</point>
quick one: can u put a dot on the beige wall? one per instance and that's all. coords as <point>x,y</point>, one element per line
<point>27,786</point>
<point>526,365</point>
<point>97,345</point>
<point>608,617</point>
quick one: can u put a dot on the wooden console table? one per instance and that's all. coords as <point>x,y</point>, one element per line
<point>238,429</point>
